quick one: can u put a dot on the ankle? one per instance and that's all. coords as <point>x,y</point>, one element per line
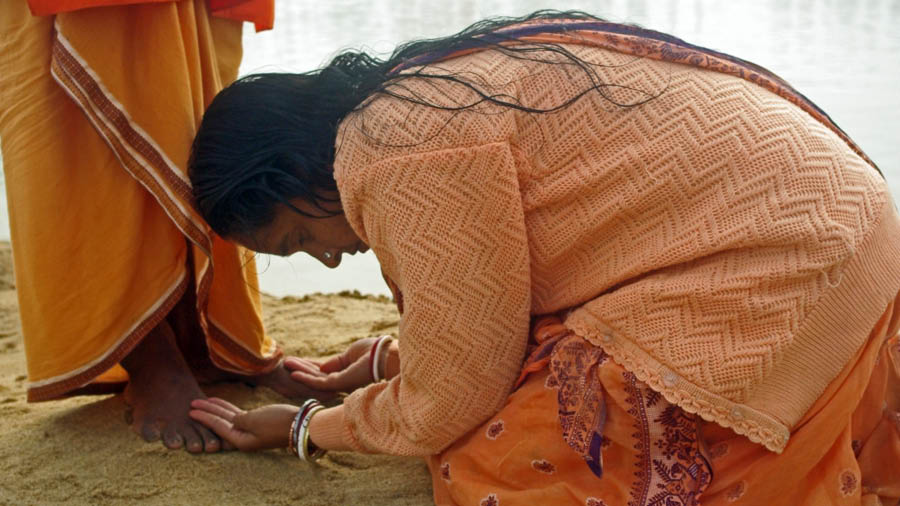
<point>156,351</point>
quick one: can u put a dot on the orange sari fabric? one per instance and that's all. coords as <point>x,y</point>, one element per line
<point>580,429</point>
<point>98,108</point>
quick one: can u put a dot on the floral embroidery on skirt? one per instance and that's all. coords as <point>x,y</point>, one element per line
<point>582,409</point>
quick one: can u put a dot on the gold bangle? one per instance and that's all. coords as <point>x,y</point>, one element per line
<point>304,439</point>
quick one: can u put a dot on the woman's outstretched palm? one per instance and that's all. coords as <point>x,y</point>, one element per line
<point>344,373</point>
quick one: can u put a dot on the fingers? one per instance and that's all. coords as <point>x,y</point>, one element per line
<point>224,428</point>
<point>334,364</point>
<point>300,364</point>
<point>232,436</point>
<point>358,349</point>
<point>214,408</point>
<point>315,372</point>
<point>225,408</point>
<point>314,382</point>
<point>197,437</point>
<point>345,372</point>
<point>337,363</point>
<point>345,380</point>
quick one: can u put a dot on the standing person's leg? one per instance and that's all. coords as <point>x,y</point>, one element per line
<point>100,264</point>
<point>160,390</point>
<point>100,248</point>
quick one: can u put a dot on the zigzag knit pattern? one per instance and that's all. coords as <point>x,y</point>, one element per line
<point>695,236</point>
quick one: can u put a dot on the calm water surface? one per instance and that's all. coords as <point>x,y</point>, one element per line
<point>844,55</point>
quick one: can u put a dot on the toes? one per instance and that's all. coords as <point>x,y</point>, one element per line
<point>211,442</point>
<point>150,432</point>
<point>192,440</point>
<point>172,439</point>
<point>225,405</point>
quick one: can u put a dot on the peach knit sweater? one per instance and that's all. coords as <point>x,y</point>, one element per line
<point>720,243</point>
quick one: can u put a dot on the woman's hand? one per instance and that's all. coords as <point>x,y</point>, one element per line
<point>344,373</point>
<point>257,429</point>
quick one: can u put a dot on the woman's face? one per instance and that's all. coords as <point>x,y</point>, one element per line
<point>326,238</point>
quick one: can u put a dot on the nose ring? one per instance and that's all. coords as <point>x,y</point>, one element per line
<point>327,255</point>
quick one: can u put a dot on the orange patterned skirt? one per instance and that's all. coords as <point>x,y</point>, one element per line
<point>580,429</point>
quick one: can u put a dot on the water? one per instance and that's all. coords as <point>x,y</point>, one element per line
<point>844,55</point>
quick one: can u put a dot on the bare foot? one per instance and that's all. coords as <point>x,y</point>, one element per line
<point>280,380</point>
<point>159,393</point>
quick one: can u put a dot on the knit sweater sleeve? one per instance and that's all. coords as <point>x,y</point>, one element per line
<point>448,228</point>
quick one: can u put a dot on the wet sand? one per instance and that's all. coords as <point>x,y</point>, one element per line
<point>80,451</point>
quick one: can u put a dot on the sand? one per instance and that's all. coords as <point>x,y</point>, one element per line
<point>79,450</point>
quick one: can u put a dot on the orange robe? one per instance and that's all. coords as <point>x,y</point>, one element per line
<point>99,107</point>
<point>260,12</point>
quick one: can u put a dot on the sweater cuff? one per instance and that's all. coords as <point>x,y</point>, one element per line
<point>326,430</point>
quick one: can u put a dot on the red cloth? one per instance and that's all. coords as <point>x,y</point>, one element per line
<point>259,12</point>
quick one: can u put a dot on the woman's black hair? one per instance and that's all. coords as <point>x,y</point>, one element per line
<point>269,138</point>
